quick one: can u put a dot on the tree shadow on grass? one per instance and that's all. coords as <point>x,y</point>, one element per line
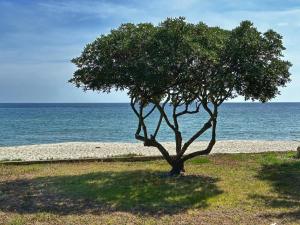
<point>285,180</point>
<point>141,192</point>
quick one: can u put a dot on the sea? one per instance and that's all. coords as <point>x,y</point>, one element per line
<point>39,123</point>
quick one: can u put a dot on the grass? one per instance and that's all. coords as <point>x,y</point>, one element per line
<point>129,155</point>
<point>8,160</point>
<point>218,189</point>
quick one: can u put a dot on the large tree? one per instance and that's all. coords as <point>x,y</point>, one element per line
<point>186,67</point>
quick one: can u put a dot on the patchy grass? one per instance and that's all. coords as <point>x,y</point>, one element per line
<point>129,155</point>
<point>200,160</point>
<point>8,160</point>
<point>218,189</point>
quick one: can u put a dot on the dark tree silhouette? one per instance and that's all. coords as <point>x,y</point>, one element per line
<point>186,66</point>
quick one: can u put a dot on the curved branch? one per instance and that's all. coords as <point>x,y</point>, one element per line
<point>162,150</point>
<point>142,122</point>
<point>162,112</point>
<point>151,111</point>
<point>205,127</point>
<point>212,141</point>
<point>138,130</point>
<point>139,114</point>
<point>198,153</point>
<point>207,109</point>
<point>225,97</point>
<point>178,136</point>
<point>152,142</point>
<point>176,125</point>
<point>158,126</point>
<point>186,111</point>
<point>149,142</point>
<point>132,104</point>
<point>210,123</point>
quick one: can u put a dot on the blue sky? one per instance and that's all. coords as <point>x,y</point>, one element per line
<point>38,38</point>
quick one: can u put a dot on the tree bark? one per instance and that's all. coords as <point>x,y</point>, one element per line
<point>177,168</point>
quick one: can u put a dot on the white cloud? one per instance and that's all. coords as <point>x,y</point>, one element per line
<point>98,9</point>
<point>48,34</point>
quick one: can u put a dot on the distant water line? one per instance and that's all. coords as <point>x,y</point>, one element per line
<point>24,124</point>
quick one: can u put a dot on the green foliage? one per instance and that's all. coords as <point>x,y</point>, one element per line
<point>183,64</point>
<point>257,62</point>
<point>192,60</point>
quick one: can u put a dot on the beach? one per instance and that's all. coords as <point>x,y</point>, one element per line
<point>82,150</point>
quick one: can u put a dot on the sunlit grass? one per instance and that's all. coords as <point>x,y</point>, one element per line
<point>228,188</point>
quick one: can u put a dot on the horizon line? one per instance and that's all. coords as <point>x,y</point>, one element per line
<point>243,102</point>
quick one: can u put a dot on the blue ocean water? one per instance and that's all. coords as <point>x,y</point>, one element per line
<point>23,124</point>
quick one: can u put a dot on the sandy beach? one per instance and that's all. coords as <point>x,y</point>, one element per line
<point>78,150</point>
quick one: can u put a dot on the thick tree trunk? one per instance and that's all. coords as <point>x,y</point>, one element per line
<point>177,168</point>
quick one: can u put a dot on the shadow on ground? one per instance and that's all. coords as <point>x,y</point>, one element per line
<point>142,192</point>
<point>285,181</point>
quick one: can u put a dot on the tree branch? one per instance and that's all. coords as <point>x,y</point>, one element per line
<point>162,112</point>
<point>158,126</point>
<point>210,123</point>
<point>178,137</point>
<point>198,153</point>
<point>159,121</point>
<point>138,130</point>
<point>148,114</point>
<point>141,124</point>
<point>205,127</point>
<point>149,142</point>
<point>212,141</point>
<point>154,143</point>
<point>186,111</point>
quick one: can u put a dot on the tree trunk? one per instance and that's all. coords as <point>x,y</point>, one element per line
<point>298,152</point>
<point>177,168</point>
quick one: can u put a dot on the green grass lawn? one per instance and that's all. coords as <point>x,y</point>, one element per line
<point>217,189</point>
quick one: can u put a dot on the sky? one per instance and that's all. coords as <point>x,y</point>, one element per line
<point>38,38</point>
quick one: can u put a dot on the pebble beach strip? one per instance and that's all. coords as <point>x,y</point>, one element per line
<point>81,150</point>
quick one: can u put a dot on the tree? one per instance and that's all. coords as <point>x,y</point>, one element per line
<point>186,66</point>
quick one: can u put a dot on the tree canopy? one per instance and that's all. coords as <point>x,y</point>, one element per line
<point>184,65</point>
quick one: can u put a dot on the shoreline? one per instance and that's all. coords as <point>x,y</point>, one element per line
<point>82,150</point>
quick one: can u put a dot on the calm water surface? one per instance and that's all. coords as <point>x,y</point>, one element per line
<point>23,124</point>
